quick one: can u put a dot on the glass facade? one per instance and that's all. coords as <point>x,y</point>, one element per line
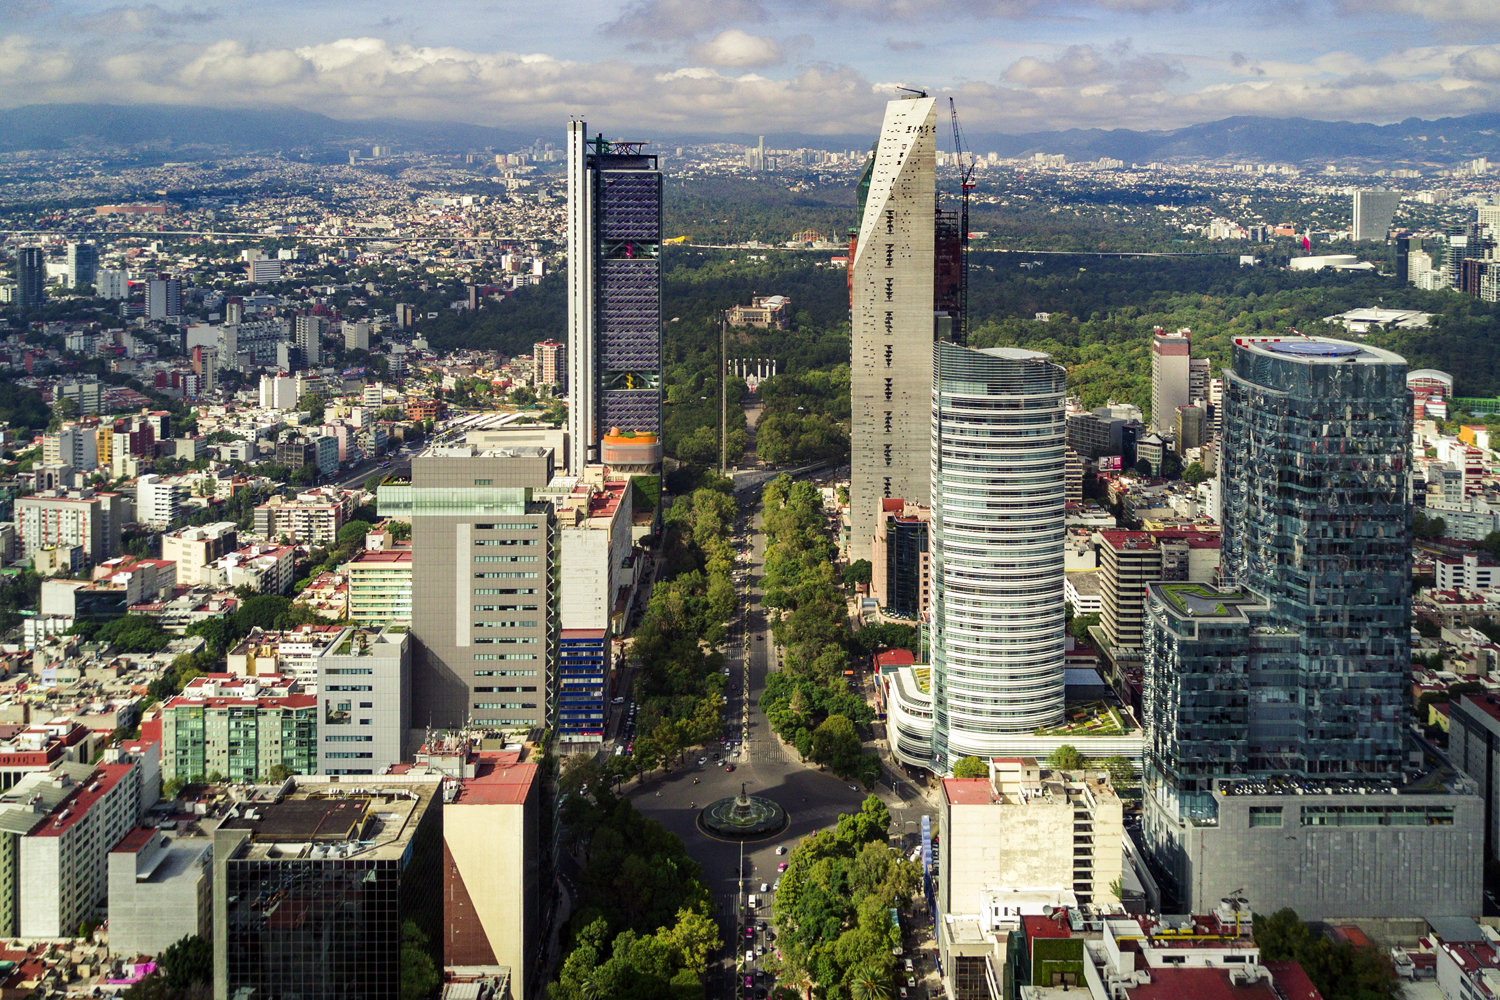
<point>582,663</point>
<point>906,545</point>
<point>998,470</point>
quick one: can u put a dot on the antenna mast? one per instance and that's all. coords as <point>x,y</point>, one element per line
<point>966,184</point>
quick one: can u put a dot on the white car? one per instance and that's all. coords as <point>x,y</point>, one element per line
<point>765,887</point>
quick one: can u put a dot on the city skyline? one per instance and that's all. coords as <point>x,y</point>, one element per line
<point>761,65</point>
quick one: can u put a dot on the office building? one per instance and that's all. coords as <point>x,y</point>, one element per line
<point>483,574</point>
<point>261,269</point>
<point>160,891</point>
<point>1072,477</point>
<point>81,518</point>
<point>1112,429</point>
<point>196,549</point>
<point>901,561</point>
<point>364,685</point>
<point>997,532</point>
<point>309,334</point>
<point>892,297</point>
<point>1291,680</point>
<point>246,346</point>
<point>238,727</point>
<point>1474,747</point>
<point>85,394</point>
<point>1373,212</point>
<point>1189,428</point>
<point>1130,560</point>
<point>157,503</point>
<point>356,336</point>
<point>110,284</point>
<point>83,264</point>
<point>380,587</point>
<point>493,838</point>
<point>614,353</point>
<point>551,363</point>
<point>311,890</point>
<point>1170,368</point>
<point>31,278</point>
<point>163,298</point>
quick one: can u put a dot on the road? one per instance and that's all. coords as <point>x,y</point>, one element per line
<point>812,798</point>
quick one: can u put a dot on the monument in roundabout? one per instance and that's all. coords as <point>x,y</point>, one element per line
<point>742,817</point>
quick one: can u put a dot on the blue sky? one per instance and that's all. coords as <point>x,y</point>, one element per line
<point>813,66</point>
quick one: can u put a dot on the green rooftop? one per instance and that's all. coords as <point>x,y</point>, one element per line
<point>1199,600</point>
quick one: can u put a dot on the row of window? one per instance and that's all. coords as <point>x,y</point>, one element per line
<point>491,706</point>
<point>504,576</point>
<point>504,656</point>
<point>505,541</point>
<point>505,690</point>
<point>507,559</point>
<point>524,526</point>
<point>342,671</point>
<point>505,673</point>
<point>506,641</point>
<point>514,624</point>
<point>498,591</point>
<point>348,739</point>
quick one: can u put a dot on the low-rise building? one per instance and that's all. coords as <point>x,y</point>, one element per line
<point>265,569</point>
<point>194,550</point>
<point>160,891</point>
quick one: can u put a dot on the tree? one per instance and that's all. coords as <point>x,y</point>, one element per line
<point>1143,468</point>
<point>970,767</point>
<point>836,744</point>
<point>419,976</point>
<point>857,573</point>
<point>1121,772</point>
<point>278,773</point>
<point>1080,627</point>
<point>1067,758</point>
<point>186,963</point>
<point>1491,543</point>
<point>1171,465</point>
<point>352,535</point>
<point>312,404</point>
<point>63,410</point>
<point>1195,473</point>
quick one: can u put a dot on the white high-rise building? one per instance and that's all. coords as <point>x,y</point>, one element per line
<point>111,284</point>
<point>1171,374</point>
<point>156,502</point>
<point>310,339</point>
<point>998,471</point>
<point>1373,212</point>
<point>163,298</point>
<point>891,300</point>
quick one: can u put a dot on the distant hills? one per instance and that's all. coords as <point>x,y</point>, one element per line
<point>1413,142</point>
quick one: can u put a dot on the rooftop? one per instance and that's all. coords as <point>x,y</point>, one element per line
<point>500,778</point>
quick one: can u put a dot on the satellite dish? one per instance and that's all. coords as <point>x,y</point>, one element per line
<point>1046,909</point>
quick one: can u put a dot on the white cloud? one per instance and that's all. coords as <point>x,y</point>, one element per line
<point>1445,11</point>
<point>733,47</point>
<point>655,20</point>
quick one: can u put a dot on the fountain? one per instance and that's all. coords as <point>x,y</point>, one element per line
<point>742,817</point>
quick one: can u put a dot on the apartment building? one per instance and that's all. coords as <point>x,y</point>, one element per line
<point>238,727</point>
<point>380,587</point>
<point>1129,560</point>
<point>195,550</point>
<point>83,518</point>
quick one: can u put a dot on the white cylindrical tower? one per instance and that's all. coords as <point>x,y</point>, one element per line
<point>998,470</point>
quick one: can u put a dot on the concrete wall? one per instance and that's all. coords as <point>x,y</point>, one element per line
<point>389,680</point>
<point>42,902</point>
<point>493,848</point>
<point>147,917</point>
<point>1027,846</point>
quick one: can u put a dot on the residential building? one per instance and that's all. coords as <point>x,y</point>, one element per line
<point>157,503</point>
<point>551,363</point>
<point>111,284</point>
<point>1131,560</point>
<point>248,346</point>
<point>356,336</point>
<point>1169,377</point>
<point>309,332</point>
<point>493,839</point>
<point>83,518</point>
<point>313,516</point>
<point>163,298</point>
<point>265,569</point>
<point>1023,838</point>
<point>71,445</point>
<point>1472,571</point>
<point>1373,212</point>
<point>901,561</point>
<point>63,861</point>
<point>278,392</point>
<point>1474,747</point>
<point>364,684</point>
<point>1231,736</point>
<point>83,264</point>
<point>311,889</point>
<point>614,352</point>
<point>85,394</point>
<point>892,293</point>
<point>160,891</point>
<point>238,727</point>
<point>380,587</point>
<point>764,311</point>
<point>998,628</point>
<point>196,549</point>
<point>483,572</point>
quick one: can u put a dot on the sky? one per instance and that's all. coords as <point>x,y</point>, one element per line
<point>818,67</point>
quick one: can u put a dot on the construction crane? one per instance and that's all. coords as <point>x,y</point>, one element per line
<point>966,184</point>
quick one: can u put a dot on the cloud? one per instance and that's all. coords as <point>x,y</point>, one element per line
<point>904,45</point>
<point>1448,11</point>
<point>145,19</point>
<point>656,20</point>
<point>1084,65</point>
<point>734,47</point>
<point>1480,63</point>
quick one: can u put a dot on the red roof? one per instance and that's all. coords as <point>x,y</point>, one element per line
<point>1198,984</point>
<point>500,779</point>
<point>1486,703</point>
<point>1045,927</point>
<point>1293,982</point>
<point>968,791</point>
<point>582,633</point>
<point>77,805</point>
<point>133,841</point>
<point>895,658</point>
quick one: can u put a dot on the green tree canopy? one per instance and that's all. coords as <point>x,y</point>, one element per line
<point>971,767</point>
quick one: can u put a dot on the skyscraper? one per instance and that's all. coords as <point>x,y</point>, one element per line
<point>614,352</point>
<point>891,288</point>
<point>998,471</point>
<point>31,278</point>
<point>83,264</point>
<point>1291,679</point>
<point>1373,212</point>
<point>1171,371</point>
<point>309,333</point>
<point>163,298</point>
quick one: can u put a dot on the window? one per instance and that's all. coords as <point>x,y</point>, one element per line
<point>364,722</point>
<point>484,482</point>
<point>346,671</point>
<point>350,687</point>
<point>367,704</point>
<point>1265,815</point>
<point>348,739</point>
<point>362,755</point>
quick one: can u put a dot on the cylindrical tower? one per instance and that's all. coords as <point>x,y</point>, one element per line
<point>998,496</point>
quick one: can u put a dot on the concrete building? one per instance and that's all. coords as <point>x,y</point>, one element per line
<point>483,571</point>
<point>1131,560</point>
<point>311,517</point>
<point>163,298</point>
<point>1373,212</point>
<point>1106,430</point>
<point>311,889</point>
<point>892,294</point>
<point>278,392</point>
<point>356,336</point>
<point>157,503</point>
<point>159,891</point>
<point>1021,839</point>
<point>63,862</point>
<point>764,311</point>
<point>309,334</point>
<point>380,587</point>
<point>1474,747</point>
<point>364,685</point>
<point>238,727</point>
<point>265,569</point>
<point>195,549</point>
<point>74,446</point>
<point>492,842</point>
<point>1170,367</point>
<point>997,533</point>
<point>83,264</point>
<point>67,518</point>
<point>1472,571</point>
<point>551,363</point>
<point>1189,429</point>
<point>901,560</point>
<point>614,353</point>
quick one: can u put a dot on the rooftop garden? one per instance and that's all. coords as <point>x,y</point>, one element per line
<point>1093,718</point>
<point>1199,599</point>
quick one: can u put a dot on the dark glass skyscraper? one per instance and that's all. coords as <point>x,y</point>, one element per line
<point>614,301</point>
<point>31,277</point>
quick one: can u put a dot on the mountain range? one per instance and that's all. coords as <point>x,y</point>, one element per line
<point>164,128</point>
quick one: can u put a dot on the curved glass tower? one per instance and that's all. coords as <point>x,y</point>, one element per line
<point>998,469</point>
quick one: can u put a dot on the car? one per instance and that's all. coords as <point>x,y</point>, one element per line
<point>853,788</point>
<point>781,867</point>
<point>749,955</point>
<point>901,992</point>
<point>736,753</point>
<point>775,886</point>
<point>760,952</point>
<point>618,701</point>
<point>749,932</point>
<point>728,767</point>
<point>909,966</point>
<point>759,638</point>
<point>760,993</point>
<point>780,848</point>
<point>702,761</point>
<point>718,763</point>
<point>911,981</point>
<point>765,887</point>
<point>761,925</point>
<point>749,981</point>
